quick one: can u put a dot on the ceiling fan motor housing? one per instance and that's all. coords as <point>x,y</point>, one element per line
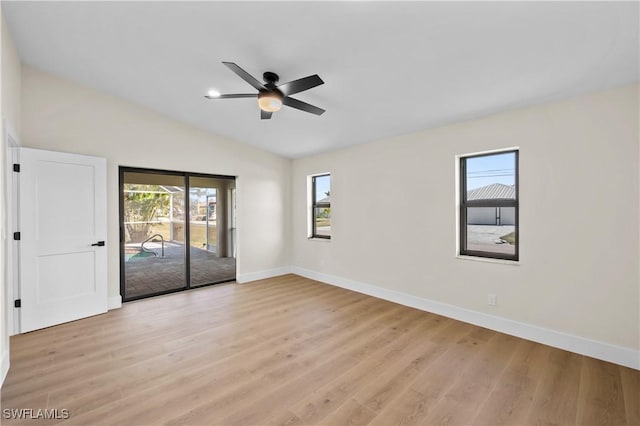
<point>270,100</point>
<point>270,77</point>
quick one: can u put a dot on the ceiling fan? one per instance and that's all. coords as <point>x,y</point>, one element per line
<point>270,96</point>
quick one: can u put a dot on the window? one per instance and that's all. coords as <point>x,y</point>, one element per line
<point>489,205</point>
<point>321,206</point>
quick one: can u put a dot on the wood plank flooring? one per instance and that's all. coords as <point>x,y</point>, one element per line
<point>291,351</point>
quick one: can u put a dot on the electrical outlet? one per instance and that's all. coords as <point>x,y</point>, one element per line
<point>492,299</point>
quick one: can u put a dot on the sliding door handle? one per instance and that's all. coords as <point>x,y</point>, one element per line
<point>98,244</point>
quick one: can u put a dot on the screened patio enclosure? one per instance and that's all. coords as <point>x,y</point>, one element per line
<point>160,213</point>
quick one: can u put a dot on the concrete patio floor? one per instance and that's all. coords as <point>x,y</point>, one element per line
<point>154,274</point>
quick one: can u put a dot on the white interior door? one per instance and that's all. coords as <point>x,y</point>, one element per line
<point>62,214</point>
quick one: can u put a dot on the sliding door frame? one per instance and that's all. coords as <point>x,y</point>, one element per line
<point>187,228</point>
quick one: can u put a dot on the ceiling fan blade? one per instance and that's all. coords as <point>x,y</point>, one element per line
<point>265,115</point>
<point>303,106</point>
<point>244,75</point>
<point>233,96</point>
<point>300,85</point>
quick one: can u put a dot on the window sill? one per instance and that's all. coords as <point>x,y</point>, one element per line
<point>326,240</point>
<point>488,260</point>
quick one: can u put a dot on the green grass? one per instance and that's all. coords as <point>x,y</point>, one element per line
<point>510,238</point>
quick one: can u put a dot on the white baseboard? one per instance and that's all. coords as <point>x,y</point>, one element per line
<point>261,275</point>
<point>4,366</point>
<point>114,302</point>
<point>605,351</point>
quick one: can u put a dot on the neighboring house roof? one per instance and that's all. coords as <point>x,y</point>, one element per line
<point>493,191</point>
<point>326,200</point>
<point>171,189</point>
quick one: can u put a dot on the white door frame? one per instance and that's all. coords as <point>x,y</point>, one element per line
<point>10,194</point>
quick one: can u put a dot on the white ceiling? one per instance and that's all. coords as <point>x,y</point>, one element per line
<point>389,68</point>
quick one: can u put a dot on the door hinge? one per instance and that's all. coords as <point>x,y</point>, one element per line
<point>17,303</point>
<point>16,236</point>
<point>16,168</point>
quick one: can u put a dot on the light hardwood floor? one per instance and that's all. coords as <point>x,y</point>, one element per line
<point>290,351</point>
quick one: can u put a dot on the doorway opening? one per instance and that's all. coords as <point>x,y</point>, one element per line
<point>177,231</point>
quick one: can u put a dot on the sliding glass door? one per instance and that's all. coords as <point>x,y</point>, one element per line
<point>176,231</point>
<point>210,246</point>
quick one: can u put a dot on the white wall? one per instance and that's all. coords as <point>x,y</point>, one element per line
<point>490,215</point>
<point>60,115</point>
<point>579,185</point>
<point>394,217</point>
<point>11,69</point>
<point>481,216</point>
<point>10,117</point>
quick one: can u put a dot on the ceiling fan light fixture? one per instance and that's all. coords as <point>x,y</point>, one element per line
<point>270,101</point>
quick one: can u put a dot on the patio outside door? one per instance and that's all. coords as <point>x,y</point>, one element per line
<point>210,212</point>
<point>164,213</point>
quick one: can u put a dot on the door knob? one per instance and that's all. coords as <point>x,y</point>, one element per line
<point>98,244</point>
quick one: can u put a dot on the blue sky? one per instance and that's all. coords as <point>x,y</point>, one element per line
<point>200,194</point>
<point>499,168</point>
<point>323,185</point>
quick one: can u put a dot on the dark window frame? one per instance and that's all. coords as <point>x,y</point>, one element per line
<point>465,204</point>
<point>315,205</point>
